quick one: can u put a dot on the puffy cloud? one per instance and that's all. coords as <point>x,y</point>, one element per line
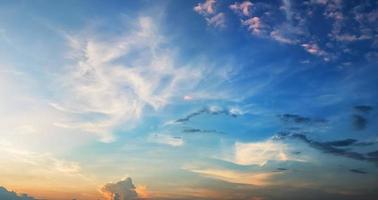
<point>121,190</point>
<point>205,8</point>
<point>254,25</point>
<point>242,8</point>
<point>8,195</point>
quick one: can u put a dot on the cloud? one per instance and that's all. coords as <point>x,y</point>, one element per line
<point>363,108</point>
<point>217,20</point>
<point>121,190</point>
<point>242,8</point>
<point>259,153</point>
<point>298,119</point>
<point>254,25</point>
<point>166,139</point>
<point>107,89</point>
<point>232,176</point>
<point>332,147</point>
<point>8,195</point>
<point>212,110</point>
<point>359,122</point>
<point>197,130</point>
<point>358,171</point>
<point>207,10</point>
<point>342,143</point>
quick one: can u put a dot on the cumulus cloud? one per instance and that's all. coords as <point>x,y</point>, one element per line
<point>8,195</point>
<point>254,25</point>
<point>121,190</point>
<point>207,10</point>
<point>206,7</point>
<point>242,8</point>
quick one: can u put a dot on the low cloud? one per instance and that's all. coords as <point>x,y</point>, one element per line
<point>8,195</point>
<point>121,190</point>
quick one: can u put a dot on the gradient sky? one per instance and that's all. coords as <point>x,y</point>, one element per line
<point>121,100</point>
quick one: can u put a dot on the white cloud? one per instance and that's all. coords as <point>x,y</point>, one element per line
<point>259,153</point>
<point>217,20</point>
<point>115,80</point>
<point>254,25</point>
<point>232,176</point>
<point>242,8</point>
<point>205,8</point>
<point>167,139</point>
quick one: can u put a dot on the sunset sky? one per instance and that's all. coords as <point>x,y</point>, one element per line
<point>189,100</point>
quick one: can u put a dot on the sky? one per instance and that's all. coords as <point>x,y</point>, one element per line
<point>199,100</point>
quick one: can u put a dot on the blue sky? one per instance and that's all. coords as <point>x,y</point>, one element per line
<point>189,99</point>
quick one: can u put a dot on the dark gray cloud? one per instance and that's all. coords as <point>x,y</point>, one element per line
<point>342,143</point>
<point>363,108</point>
<point>8,195</point>
<point>359,122</point>
<point>333,147</point>
<point>358,171</point>
<point>298,119</point>
<point>197,130</point>
<point>211,111</point>
<point>122,190</point>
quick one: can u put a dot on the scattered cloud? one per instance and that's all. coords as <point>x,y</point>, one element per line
<point>242,8</point>
<point>205,8</point>
<point>121,190</point>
